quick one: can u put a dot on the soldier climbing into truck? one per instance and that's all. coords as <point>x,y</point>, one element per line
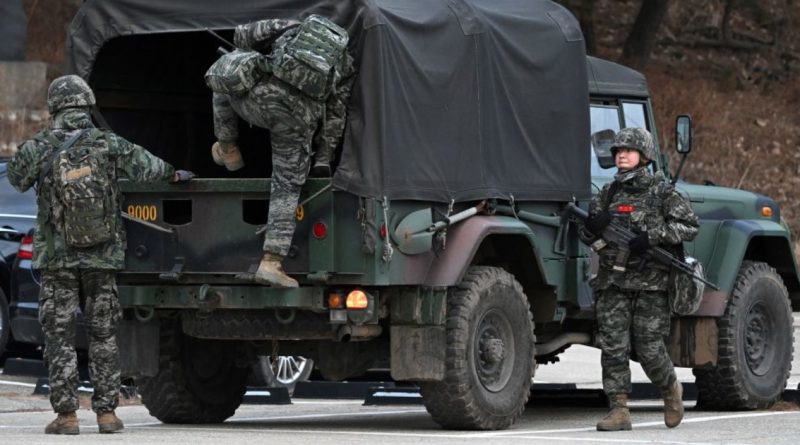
<point>299,88</point>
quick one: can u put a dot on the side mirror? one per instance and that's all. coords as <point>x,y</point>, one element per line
<point>683,134</point>
<point>601,143</point>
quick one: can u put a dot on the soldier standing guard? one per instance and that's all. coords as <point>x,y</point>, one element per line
<point>631,299</point>
<point>80,242</point>
<point>301,85</point>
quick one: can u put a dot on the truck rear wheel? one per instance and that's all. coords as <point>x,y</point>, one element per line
<point>489,357</point>
<point>755,344</point>
<point>197,381</point>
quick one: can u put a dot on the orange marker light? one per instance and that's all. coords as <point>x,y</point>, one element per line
<point>335,301</point>
<point>766,211</point>
<point>357,300</point>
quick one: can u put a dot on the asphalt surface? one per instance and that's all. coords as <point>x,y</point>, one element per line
<point>23,417</point>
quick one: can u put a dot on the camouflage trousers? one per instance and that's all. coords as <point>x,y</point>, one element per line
<point>293,118</point>
<point>63,292</point>
<point>637,320</point>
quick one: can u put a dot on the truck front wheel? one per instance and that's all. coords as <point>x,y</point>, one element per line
<point>755,344</point>
<point>198,380</point>
<point>489,356</point>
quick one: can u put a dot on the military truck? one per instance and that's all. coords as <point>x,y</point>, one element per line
<point>439,242</point>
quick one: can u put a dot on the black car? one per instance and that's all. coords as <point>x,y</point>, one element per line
<point>17,218</point>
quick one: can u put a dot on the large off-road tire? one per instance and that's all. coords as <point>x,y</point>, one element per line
<point>489,359</point>
<point>198,380</point>
<point>755,344</point>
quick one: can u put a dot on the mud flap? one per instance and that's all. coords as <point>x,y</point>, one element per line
<point>418,352</point>
<point>693,342</point>
<point>138,348</point>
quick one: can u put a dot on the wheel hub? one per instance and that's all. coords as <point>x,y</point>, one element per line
<point>288,368</point>
<point>494,351</point>
<point>758,331</point>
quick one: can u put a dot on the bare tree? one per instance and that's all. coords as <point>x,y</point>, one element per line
<point>642,38</point>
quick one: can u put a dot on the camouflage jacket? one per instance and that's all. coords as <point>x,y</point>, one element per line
<point>644,203</point>
<point>130,161</point>
<point>254,109</point>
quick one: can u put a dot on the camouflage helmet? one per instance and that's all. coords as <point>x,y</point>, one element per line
<point>638,139</point>
<point>69,92</point>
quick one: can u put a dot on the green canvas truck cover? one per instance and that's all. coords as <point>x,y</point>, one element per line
<point>454,100</point>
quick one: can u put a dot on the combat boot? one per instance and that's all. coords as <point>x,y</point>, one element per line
<point>321,170</point>
<point>227,154</point>
<point>65,423</point>
<point>619,418</point>
<point>271,273</point>
<point>673,405</point>
<point>108,422</point>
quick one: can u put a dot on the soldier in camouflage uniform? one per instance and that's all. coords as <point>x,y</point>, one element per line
<point>85,278</point>
<point>632,305</point>
<point>292,117</point>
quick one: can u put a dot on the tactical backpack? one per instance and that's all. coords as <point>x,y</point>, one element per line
<point>308,57</point>
<point>82,185</point>
<point>236,72</point>
<point>686,291</point>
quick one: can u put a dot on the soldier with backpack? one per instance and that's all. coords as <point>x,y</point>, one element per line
<point>79,242</point>
<point>632,305</point>
<point>294,79</point>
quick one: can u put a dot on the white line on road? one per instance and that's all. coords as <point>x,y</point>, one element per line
<point>27,385</point>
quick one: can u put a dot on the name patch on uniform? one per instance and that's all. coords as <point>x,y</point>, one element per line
<point>78,173</point>
<point>625,208</point>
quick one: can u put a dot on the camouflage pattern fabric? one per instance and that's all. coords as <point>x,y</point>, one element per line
<point>82,178</point>
<point>69,92</point>
<point>293,118</point>
<point>306,57</point>
<point>638,139</point>
<point>644,203</point>
<point>258,36</point>
<point>637,320</point>
<point>128,160</point>
<point>236,72</point>
<point>62,293</point>
<point>686,292</point>
<point>633,313</point>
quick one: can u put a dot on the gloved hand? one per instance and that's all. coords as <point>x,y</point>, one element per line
<point>639,244</point>
<point>182,176</point>
<point>597,222</point>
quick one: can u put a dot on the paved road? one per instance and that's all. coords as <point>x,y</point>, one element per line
<point>339,422</point>
<point>22,419</point>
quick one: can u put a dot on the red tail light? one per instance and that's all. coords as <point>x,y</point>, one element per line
<point>25,251</point>
<point>320,230</point>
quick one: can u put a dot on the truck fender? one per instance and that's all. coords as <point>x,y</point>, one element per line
<point>739,240</point>
<point>463,242</point>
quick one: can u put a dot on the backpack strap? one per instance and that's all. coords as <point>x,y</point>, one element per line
<point>48,165</point>
<point>612,190</point>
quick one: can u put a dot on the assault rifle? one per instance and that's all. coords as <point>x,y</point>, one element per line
<point>620,236</point>
<point>221,51</point>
